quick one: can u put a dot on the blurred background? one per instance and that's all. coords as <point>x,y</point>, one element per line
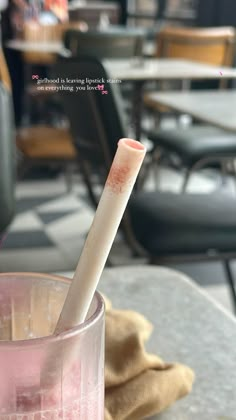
<point>56,146</point>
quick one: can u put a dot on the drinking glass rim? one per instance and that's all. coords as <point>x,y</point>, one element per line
<point>84,326</point>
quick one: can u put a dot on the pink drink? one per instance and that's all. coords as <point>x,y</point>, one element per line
<point>69,388</point>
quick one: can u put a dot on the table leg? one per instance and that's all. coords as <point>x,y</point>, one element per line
<point>137,109</point>
<point>26,98</point>
<point>186,84</point>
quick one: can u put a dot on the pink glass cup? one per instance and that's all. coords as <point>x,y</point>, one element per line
<point>44,376</point>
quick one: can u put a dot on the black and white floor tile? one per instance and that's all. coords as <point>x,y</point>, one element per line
<point>50,226</point>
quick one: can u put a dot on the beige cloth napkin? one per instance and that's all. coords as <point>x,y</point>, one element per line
<point>137,384</point>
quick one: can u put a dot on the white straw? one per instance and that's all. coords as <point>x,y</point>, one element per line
<point>116,193</point>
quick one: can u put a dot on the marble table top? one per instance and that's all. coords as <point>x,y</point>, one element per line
<point>164,69</point>
<point>190,328</point>
<point>135,69</point>
<point>93,5</point>
<point>53,47</point>
<point>215,107</point>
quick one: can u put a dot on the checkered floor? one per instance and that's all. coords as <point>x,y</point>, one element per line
<point>50,227</point>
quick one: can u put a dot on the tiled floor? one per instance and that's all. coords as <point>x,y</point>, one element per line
<point>50,226</point>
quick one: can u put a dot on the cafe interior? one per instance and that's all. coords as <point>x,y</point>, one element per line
<point>77,76</point>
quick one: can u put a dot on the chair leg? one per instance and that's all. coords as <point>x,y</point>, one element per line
<point>22,167</point>
<point>186,180</point>
<point>234,170</point>
<point>68,177</point>
<point>156,162</point>
<point>86,176</point>
<point>231,283</point>
<point>153,165</point>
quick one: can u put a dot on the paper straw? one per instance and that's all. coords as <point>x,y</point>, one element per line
<point>116,193</point>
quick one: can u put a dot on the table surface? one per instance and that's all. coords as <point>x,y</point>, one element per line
<point>189,328</point>
<point>164,69</point>
<point>56,47</point>
<point>216,107</point>
<point>25,46</point>
<point>93,5</point>
<point>136,70</point>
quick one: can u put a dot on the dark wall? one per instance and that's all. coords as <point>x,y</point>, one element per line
<point>227,12</point>
<point>123,7</point>
<point>216,13</point>
<point>161,8</point>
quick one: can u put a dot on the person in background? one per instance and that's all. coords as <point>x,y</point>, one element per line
<point>11,26</point>
<point>13,18</point>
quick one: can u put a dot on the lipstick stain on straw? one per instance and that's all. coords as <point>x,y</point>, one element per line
<point>117,178</point>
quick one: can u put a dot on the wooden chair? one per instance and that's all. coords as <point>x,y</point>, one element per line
<point>4,74</point>
<point>207,45</point>
<point>214,46</point>
<point>34,32</point>
<point>40,144</point>
<point>44,145</point>
<point>36,101</point>
<point>165,225</point>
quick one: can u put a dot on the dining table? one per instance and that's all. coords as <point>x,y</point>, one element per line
<point>141,70</point>
<point>189,327</point>
<point>22,45</point>
<point>214,107</point>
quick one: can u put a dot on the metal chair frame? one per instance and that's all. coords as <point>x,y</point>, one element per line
<point>129,235</point>
<point>126,226</point>
<point>205,37</point>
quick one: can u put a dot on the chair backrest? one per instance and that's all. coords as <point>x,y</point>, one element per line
<point>34,32</point>
<point>209,45</point>
<point>7,172</point>
<point>96,119</point>
<point>97,122</point>
<point>5,78</point>
<point>104,44</point>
